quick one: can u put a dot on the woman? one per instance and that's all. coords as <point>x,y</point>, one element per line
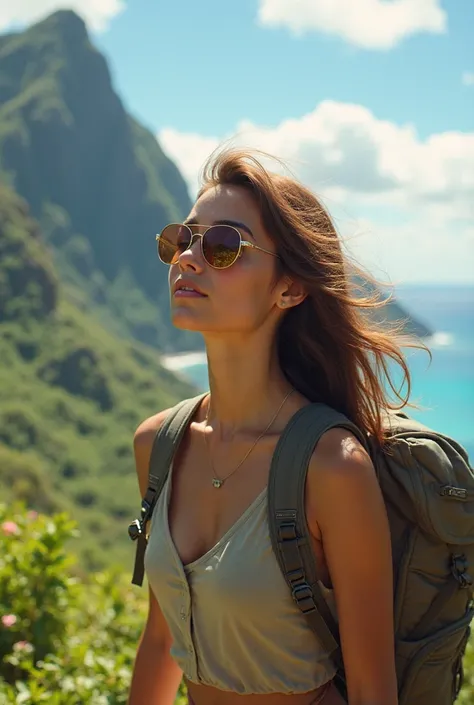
<point>258,269</point>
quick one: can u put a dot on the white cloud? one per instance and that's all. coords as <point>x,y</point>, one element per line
<point>189,151</point>
<point>372,24</point>
<point>468,78</point>
<point>344,148</point>
<point>420,250</point>
<point>375,176</point>
<point>96,13</point>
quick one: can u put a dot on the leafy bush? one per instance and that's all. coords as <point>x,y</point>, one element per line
<point>71,641</point>
<point>63,641</point>
<point>467,694</point>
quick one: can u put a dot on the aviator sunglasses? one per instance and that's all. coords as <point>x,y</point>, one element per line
<point>221,245</point>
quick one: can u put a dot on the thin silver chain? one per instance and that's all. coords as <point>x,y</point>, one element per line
<point>219,481</point>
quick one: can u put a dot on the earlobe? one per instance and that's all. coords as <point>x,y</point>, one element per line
<point>290,300</point>
<point>292,295</point>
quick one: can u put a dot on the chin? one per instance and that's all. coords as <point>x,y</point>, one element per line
<point>185,320</point>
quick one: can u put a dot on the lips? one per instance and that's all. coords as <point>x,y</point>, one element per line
<point>183,287</point>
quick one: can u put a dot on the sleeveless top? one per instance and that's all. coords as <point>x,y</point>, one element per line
<point>232,619</point>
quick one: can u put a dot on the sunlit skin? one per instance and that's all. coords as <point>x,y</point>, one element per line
<point>244,300</point>
<point>238,315</point>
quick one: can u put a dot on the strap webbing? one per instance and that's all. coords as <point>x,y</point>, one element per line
<point>288,526</point>
<point>165,445</point>
<point>458,580</point>
<point>168,439</point>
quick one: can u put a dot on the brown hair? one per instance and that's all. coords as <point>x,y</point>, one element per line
<point>333,347</point>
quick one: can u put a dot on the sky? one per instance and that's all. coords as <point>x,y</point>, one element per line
<point>369,102</point>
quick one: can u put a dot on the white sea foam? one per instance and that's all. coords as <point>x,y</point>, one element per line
<point>181,361</point>
<point>440,339</point>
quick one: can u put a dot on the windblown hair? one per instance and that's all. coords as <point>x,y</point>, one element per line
<point>334,347</point>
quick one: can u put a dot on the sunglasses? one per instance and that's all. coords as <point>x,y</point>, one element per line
<point>221,245</point>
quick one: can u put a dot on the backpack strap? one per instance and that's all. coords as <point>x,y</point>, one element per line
<point>287,520</point>
<point>165,444</point>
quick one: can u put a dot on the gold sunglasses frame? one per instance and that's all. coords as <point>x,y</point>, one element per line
<point>243,243</point>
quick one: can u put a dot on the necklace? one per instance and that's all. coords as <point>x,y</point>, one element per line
<point>219,481</point>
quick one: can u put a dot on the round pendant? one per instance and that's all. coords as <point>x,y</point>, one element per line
<point>217,483</point>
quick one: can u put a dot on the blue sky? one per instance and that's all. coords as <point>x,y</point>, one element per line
<point>370,102</point>
<point>200,66</point>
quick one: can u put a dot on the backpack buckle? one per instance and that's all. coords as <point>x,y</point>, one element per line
<point>147,505</point>
<point>296,576</point>
<point>135,529</point>
<point>303,596</point>
<point>287,531</point>
<point>459,566</point>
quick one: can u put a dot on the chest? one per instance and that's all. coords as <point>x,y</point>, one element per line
<point>198,513</point>
<point>199,516</point>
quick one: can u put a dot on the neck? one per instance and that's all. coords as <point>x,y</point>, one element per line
<point>246,383</point>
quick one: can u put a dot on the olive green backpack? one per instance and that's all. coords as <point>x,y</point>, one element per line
<point>428,488</point>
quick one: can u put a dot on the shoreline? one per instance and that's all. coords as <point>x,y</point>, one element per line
<point>176,361</point>
<point>180,361</point>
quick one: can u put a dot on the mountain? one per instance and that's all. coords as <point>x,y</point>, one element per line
<point>95,179</point>
<point>71,395</point>
<point>392,312</point>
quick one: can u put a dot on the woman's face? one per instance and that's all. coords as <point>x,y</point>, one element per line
<point>240,298</point>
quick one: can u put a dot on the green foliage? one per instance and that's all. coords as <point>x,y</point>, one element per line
<point>28,285</point>
<point>466,696</point>
<point>63,640</point>
<point>71,397</point>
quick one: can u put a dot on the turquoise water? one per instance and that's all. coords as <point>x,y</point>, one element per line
<point>444,387</point>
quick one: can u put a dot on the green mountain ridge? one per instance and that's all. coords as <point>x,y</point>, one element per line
<point>96,180</point>
<point>71,395</point>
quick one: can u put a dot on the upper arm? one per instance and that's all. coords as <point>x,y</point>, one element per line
<point>142,445</point>
<point>156,627</point>
<point>346,502</point>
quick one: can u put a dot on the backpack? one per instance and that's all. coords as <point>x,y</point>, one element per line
<point>428,488</point>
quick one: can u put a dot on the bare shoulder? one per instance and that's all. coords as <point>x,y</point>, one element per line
<point>143,443</point>
<point>338,458</point>
<point>146,431</point>
<point>340,470</point>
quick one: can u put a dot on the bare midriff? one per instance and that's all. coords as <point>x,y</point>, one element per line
<point>206,695</point>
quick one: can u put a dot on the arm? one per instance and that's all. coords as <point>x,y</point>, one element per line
<point>347,514</point>
<point>156,677</point>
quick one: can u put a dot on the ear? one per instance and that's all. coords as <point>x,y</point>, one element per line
<point>292,294</point>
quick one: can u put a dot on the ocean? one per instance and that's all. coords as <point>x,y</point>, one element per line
<point>443,388</point>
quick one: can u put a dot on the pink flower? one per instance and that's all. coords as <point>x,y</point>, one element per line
<point>23,646</point>
<point>9,528</point>
<point>8,620</point>
<point>32,515</point>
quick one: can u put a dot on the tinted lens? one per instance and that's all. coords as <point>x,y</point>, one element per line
<point>221,246</point>
<point>174,240</point>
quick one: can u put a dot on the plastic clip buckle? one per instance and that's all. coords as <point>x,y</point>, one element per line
<point>135,529</point>
<point>459,567</point>
<point>303,596</point>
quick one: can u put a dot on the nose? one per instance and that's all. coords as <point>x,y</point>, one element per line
<point>191,259</point>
